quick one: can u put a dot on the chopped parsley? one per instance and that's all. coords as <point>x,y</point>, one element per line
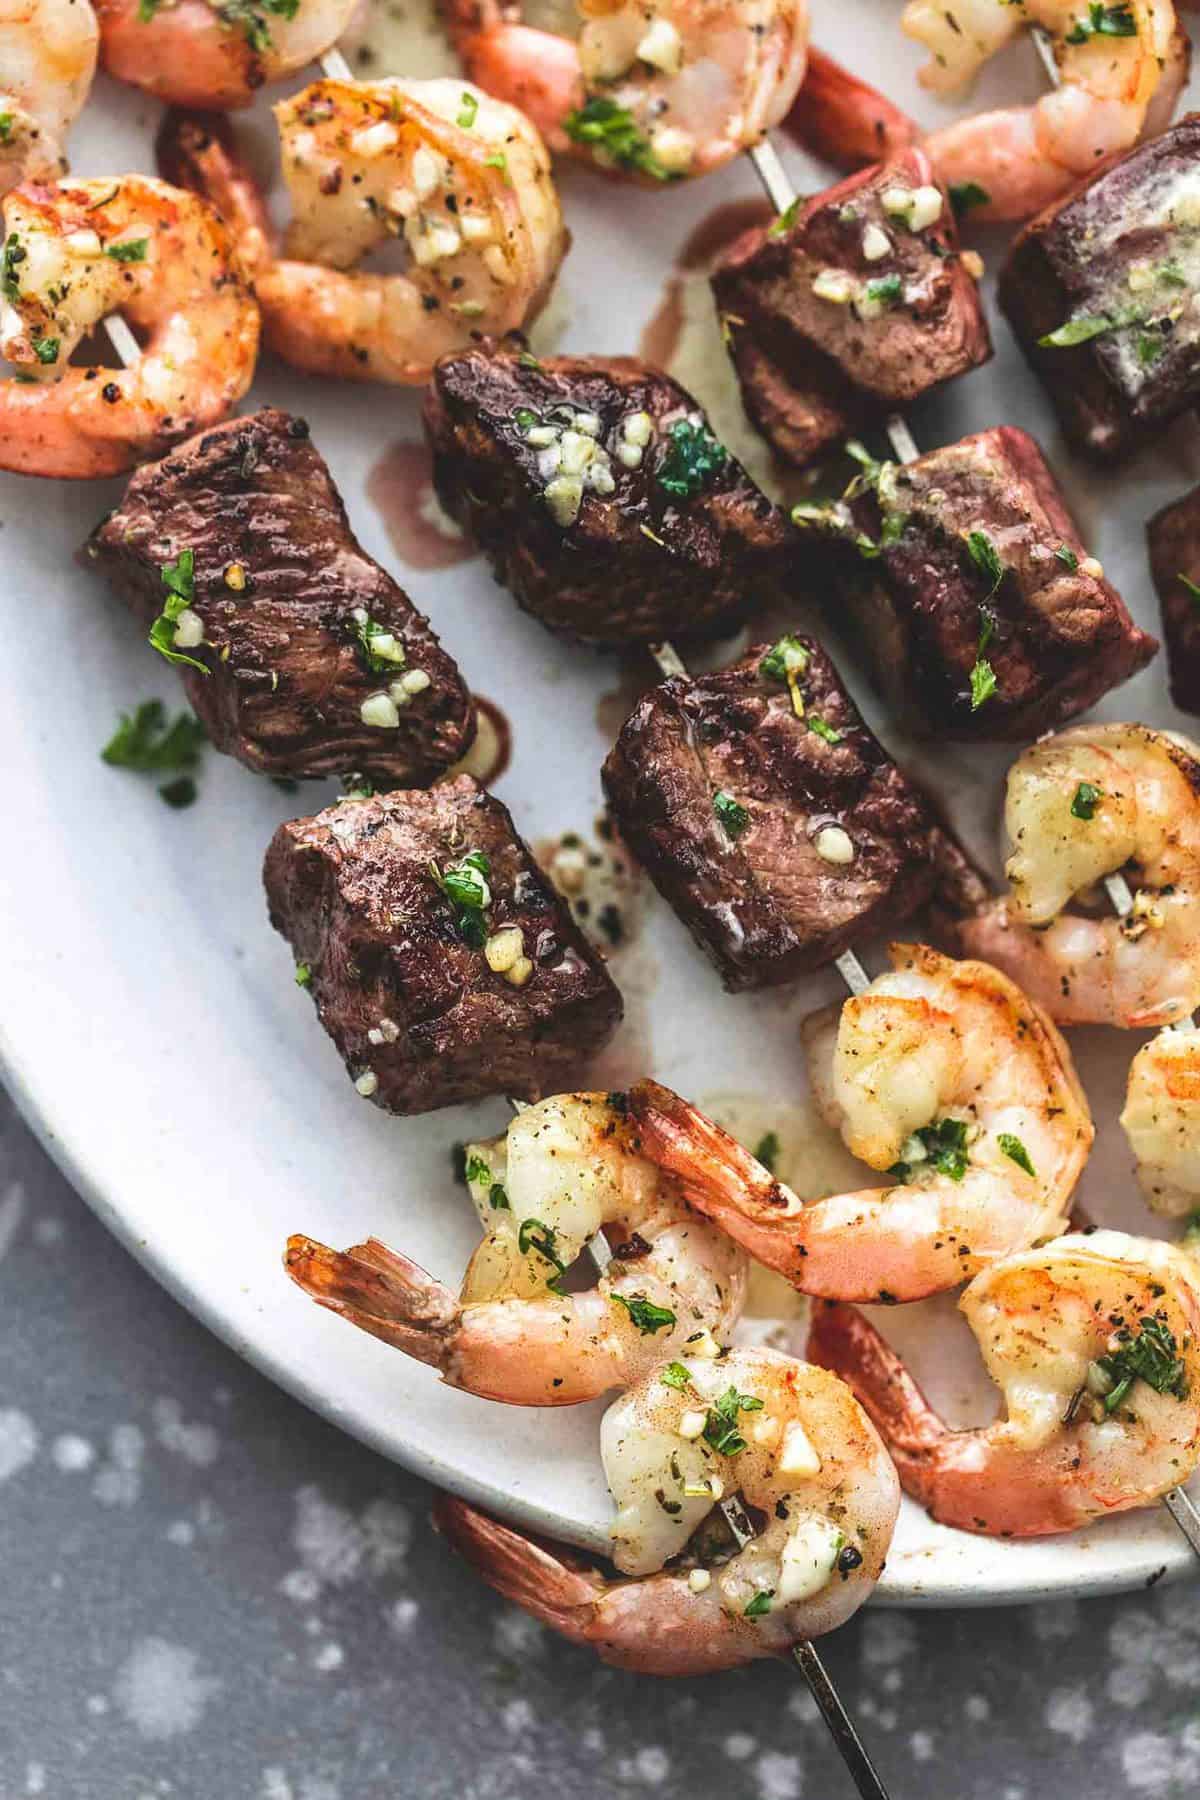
<point>248,16</point>
<point>784,659</point>
<point>525,418</point>
<point>986,557</point>
<point>14,255</point>
<point>357,787</point>
<point>1192,589</point>
<point>983,682</point>
<point>1083,329</point>
<point>1103,21</point>
<point>1067,556</point>
<point>871,470</point>
<point>498,1197</point>
<point>6,127</point>
<point>786,219</point>
<point>676,1375</point>
<point>476,1170</point>
<point>464,884</point>
<point>179,579</point>
<point>610,133</point>
<point>1085,800</point>
<point>648,1317</point>
<point>143,741</point>
<point>885,290</point>
<point>303,974</point>
<point>824,729</point>
<point>382,650</point>
<point>545,1246</point>
<point>766,1151</point>
<point>692,458</point>
<point>130,251</point>
<point>1016,1152</point>
<point>147,10</point>
<point>46,349</point>
<point>468,111</point>
<point>966,194</point>
<point>760,1605</point>
<point>720,1423</point>
<point>1151,1355</point>
<point>942,1147</point>
<point>497,161</point>
<point>1149,348</point>
<point>732,814</point>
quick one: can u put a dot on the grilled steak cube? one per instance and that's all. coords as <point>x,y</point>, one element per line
<point>1100,289</point>
<point>443,964</point>
<point>312,660</point>
<point>1174,539</point>
<point>599,495</point>
<point>853,303</point>
<point>767,815</point>
<point>963,578</point>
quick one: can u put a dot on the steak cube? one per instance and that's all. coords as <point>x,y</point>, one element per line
<point>1174,539</point>
<point>305,657</point>
<point>767,815</point>
<point>1100,289</point>
<point>964,580</point>
<point>599,495</point>
<point>443,964</point>
<point>852,304</point>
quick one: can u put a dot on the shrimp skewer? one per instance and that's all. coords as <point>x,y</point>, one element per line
<point>1093,1342</point>
<point>47,60</point>
<point>564,1169</point>
<point>805,1460</point>
<point>74,253</point>
<point>1082,806</point>
<point>193,53</point>
<point>942,1073</point>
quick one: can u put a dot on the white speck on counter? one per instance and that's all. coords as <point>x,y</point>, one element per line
<point>402,1616</point>
<point>48,1232</point>
<point>35,1778</point>
<point>739,1746</point>
<point>328,1658</point>
<point>160,1690</point>
<point>300,1585</point>
<point>181,1532</point>
<point>71,1453</point>
<point>119,1481</point>
<point>778,1776</point>
<point>921,1745</point>
<point>197,1444</point>
<point>650,1765</point>
<point>518,1716</point>
<point>1148,1762</point>
<point>519,1636</point>
<point>888,1638</point>
<point>978,1708</point>
<point>335,1548</point>
<point>18,1442</point>
<point>1071,1713</point>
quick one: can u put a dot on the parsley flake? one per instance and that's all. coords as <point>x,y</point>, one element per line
<point>983,683</point>
<point>545,1246</point>
<point>611,134</point>
<point>178,578</point>
<point>144,742</point>
<point>382,650</point>
<point>824,729</point>
<point>676,1375</point>
<point>966,194</point>
<point>720,1423</point>
<point>766,1151</point>
<point>1067,556</point>
<point>1103,21</point>
<point>130,250</point>
<point>468,110</point>
<point>648,1317</point>
<point>46,349</point>
<point>1192,589</point>
<point>1085,800</point>
<point>1016,1152</point>
<point>941,1147</point>
<point>692,458</point>
<point>760,1605</point>
<point>731,813</point>
<point>303,974</point>
<point>465,885</point>
<point>1151,1355</point>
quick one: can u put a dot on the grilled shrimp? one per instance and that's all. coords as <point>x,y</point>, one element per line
<point>47,60</point>
<point>790,1440</point>
<point>78,250</point>
<point>1113,87</point>
<point>1092,1341</point>
<point>1162,1119</point>
<point>653,89</point>
<point>1081,805</point>
<point>942,1074</point>
<point>564,1169</point>
<point>208,53</point>
<point>463,180</point>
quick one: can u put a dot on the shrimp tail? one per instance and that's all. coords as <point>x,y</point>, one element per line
<point>841,1340</point>
<point>559,1587</point>
<point>845,121</point>
<point>380,1291</point>
<point>703,1157</point>
<point>198,151</point>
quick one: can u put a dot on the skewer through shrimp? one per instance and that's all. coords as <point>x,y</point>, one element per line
<point>211,54</point>
<point>811,1473</point>
<point>1162,1119</point>
<point>1083,804</point>
<point>462,181</point>
<point>652,89</point>
<point>47,61</point>
<point>565,1169</point>
<point>942,1075</point>
<point>1093,1342</point>
<point>77,251</point>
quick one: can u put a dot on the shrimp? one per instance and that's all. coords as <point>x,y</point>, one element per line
<point>1083,804</point>
<point>1162,1119</point>
<point>78,250</point>
<point>564,1169</point>
<point>653,89</point>
<point>1114,86</point>
<point>461,179</point>
<point>1092,1341</point>
<point>941,1073</point>
<point>215,53</point>
<point>47,61</point>
<point>810,1470</point>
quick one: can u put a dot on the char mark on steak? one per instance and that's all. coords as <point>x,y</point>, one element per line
<point>313,660</point>
<point>601,498</point>
<point>963,579</point>
<point>1101,291</point>
<point>443,964</point>
<point>767,815</point>
<point>853,304</point>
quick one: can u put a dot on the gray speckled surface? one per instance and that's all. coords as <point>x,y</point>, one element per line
<point>209,1593</point>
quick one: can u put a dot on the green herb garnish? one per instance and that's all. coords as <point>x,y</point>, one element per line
<point>468,111</point>
<point>885,290</point>
<point>1103,21</point>
<point>179,580</point>
<point>14,255</point>
<point>130,251</point>
<point>303,974</point>
<point>1067,556</point>
<point>1016,1152</point>
<point>986,557</point>
<point>1193,590</point>
<point>966,194</point>
<point>720,1423</point>
<point>732,814</point>
<point>786,658</point>
<point>648,1317</point>
<point>760,1605</point>
<point>545,1247</point>
<point>143,741</point>
<point>767,1150</point>
<point>1081,330</point>
<point>382,650</point>
<point>692,458</point>
<point>786,219</point>
<point>46,349</point>
<point>676,1375</point>
<point>1085,800</point>
<point>6,127</point>
<point>611,134</point>
<point>983,683</point>
<point>1152,1356</point>
<point>945,1150</point>
<point>823,728</point>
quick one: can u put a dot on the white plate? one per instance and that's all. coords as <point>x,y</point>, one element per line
<point>151,1028</point>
